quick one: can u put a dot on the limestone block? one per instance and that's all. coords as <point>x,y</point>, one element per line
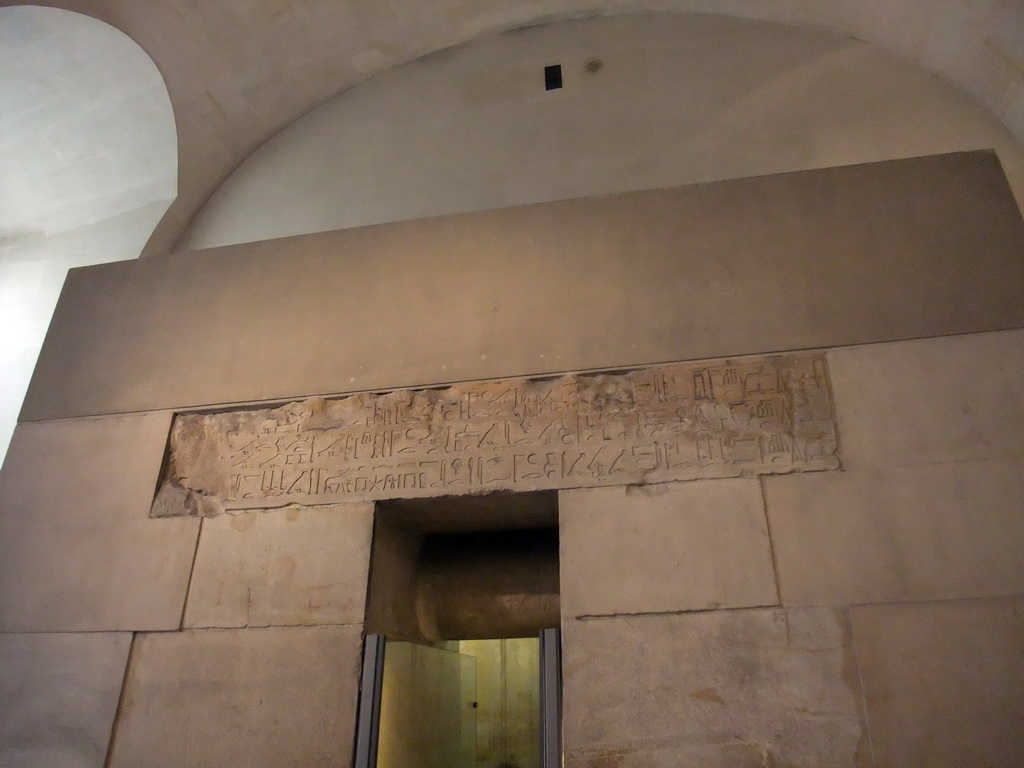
<point>273,697</point>
<point>943,399</point>
<point>58,697</point>
<point>78,551</point>
<point>725,418</point>
<point>904,533</point>
<point>670,547</point>
<point>821,258</point>
<point>100,470</point>
<point>719,688</point>
<point>76,578</point>
<point>1013,116</point>
<point>944,682</point>
<point>298,565</point>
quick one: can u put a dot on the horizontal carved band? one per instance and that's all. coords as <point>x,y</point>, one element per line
<point>658,424</point>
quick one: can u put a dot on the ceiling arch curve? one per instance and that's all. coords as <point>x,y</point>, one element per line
<point>238,73</point>
<point>649,100</point>
<point>86,130</point>
<point>88,166</point>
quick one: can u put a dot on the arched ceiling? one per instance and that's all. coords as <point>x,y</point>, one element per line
<point>649,100</point>
<point>88,162</point>
<point>239,71</point>
<point>86,128</point>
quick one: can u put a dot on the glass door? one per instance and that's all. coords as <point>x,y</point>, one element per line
<point>422,706</point>
<point>417,707</point>
<point>428,708</point>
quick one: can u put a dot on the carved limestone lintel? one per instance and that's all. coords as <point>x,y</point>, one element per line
<point>665,423</point>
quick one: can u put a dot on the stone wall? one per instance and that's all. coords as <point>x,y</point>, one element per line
<point>871,616</point>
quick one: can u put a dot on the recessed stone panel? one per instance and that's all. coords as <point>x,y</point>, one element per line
<point>252,698</point>
<point>903,533</point>
<point>944,682</point>
<point>298,565</point>
<point>679,422</point>
<point>675,547</point>
<point>743,688</point>
<point>58,696</point>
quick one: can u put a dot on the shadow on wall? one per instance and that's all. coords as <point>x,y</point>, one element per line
<point>88,166</point>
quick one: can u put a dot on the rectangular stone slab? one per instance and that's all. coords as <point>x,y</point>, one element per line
<point>717,689</point>
<point>95,578</point>
<point>246,698</point>
<point>78,550</point>
<point>58,697</point>
<point>675,547</point>
<point>943,682</point>
<point>83,471</point>
<point>923,532</point>
<point>679,422</point>
<point>930,401</point>
<point>287,566</point>
<point>823,258</point>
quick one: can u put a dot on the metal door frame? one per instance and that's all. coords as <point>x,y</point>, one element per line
<point>372,678</point>
<point>368,719</point>
<point>551,698</point>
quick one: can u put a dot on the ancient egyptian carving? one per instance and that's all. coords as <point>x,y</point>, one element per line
<point>651,425</point>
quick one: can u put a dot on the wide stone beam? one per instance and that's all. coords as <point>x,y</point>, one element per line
<point>878,252</point>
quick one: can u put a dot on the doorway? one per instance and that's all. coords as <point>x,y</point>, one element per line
<point>462,667</point>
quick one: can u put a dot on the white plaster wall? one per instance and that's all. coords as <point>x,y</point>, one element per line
<point>678,100</point>
<point>88,165</point>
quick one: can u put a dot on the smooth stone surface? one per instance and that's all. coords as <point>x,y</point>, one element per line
<point>250,698</point>
<point>95,578</point>
<point>932,400</point>
<point>391,597</point>
<point>58,698</point>
<point>99,470</point>
<point>944,682</point>
<point>670,547</point>
<point>298,565</point>
<point>78,551</point>
<point>906,533</point>
<point>722,688</point>
<point>820,258</point>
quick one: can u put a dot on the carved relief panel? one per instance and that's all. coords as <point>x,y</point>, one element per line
<point>650,425</point>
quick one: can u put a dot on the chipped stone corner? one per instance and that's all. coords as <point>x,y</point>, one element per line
<point>175,500</point>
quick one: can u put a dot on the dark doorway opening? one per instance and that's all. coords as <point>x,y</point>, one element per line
<point>463,592</point>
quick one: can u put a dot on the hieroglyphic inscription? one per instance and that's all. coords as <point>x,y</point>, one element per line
<point>658,424</point>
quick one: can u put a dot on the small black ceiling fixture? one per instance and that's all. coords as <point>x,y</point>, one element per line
<point>553,77</point>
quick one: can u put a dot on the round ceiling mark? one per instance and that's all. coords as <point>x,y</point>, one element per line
<point>593,65</point>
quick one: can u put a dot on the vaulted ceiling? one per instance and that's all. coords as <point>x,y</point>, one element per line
<point>238,71</point>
